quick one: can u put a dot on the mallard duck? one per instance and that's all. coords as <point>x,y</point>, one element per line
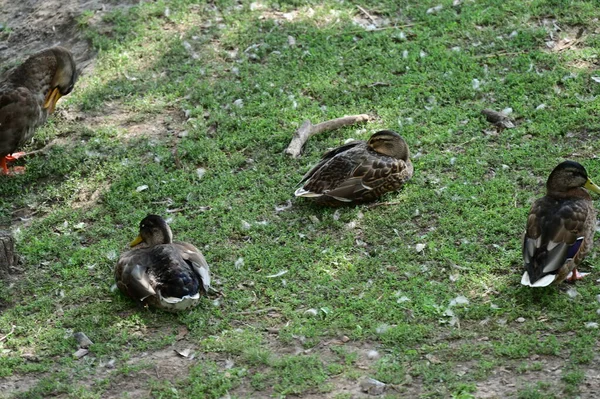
<point>28,93</point>
<point>359,171</point>
<point>560,227</point>
<point>162,273</point>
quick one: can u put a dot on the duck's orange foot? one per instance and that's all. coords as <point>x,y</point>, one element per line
<point>14,156</point>
<point>575,275</point>
<point>13,171</point>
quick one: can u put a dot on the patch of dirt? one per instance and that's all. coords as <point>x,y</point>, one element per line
<point>17,383</point>
<point>115,115</point>
<point>505,382</point>
<point>164,364</point>
<point>568,38</point>
<point>32,25</point>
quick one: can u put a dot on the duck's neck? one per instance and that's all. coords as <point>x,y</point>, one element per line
<point>36,74</point>
<point>578,192</point>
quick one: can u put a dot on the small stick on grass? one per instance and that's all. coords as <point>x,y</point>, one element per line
<point>366,14</point>
<point>12,330</point>
<point>308,130</point>
<point>258,311</point>
<point>385,204</point>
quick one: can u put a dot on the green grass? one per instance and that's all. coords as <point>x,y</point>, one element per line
<point>468,201</point>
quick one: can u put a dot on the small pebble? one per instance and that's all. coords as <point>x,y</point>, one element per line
<point>82,340</point>
<point>372,386</point>
<point>80,353</point>
<point>521,320</point>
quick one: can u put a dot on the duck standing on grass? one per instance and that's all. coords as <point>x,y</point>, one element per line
<point>28,93</point>
<point>359,171</point>
<point>560,227</point>
<point>165,274</point>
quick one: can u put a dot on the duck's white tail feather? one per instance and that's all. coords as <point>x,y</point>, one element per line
<point>543,282</point>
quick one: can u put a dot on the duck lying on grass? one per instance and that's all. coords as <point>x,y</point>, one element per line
<point>165,274</point>
<point>28,93</point>
<point>359,171</point>
<point>560,227</point>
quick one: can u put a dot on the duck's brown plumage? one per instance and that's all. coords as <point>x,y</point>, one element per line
<point>359,171</point>
<point>560,227</point>
<point>29,92</point>
<point>164,274</point>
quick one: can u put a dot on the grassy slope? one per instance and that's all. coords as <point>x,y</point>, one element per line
<point>467,202</point>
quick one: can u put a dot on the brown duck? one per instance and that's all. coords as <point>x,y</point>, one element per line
<point>560,227</point>
<point>359,171</point>
<point>28,93</point>
<point>165,274</point>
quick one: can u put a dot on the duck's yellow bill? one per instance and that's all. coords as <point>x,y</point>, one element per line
<point>135,242</point>
<point>51,99</point>
<point>591,186</point>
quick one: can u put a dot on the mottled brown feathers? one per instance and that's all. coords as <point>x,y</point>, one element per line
<point>359,171</point>
<point>560,227</point>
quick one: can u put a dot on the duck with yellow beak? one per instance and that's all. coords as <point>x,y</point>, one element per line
<point>161,272</point>
<point>560,227</point>
<point>28,93</point>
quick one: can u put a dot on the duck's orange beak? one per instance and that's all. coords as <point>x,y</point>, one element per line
<point>591,186</point>
<point>135,242</point>
<point>51,99</point>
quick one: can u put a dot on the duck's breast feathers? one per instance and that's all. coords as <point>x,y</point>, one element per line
<point>557,238</point>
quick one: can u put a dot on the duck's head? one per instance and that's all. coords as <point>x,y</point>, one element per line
<point>154,230</point>
<point>64,77</point>
<point>389,143</point>
<point>567,176</point>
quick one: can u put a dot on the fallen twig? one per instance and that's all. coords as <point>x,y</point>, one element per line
<point>366,14</point>
<point>12,330</point>
<point>42,150</point>
<point>307,130</point>
<point>258,311</point>
<point>384,204</point>
<point>500,54</point>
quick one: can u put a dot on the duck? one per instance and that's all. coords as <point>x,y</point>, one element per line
<point>359,171</point>
<point>560,227</point>
<point>162,273</point>
<point>28,94</point>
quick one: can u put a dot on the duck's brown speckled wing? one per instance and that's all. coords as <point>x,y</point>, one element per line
<point>353,173</point>
<point>333,167</point>
<point>559,235</point>
<point>20,113</point>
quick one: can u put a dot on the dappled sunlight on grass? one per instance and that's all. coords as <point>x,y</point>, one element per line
<point>430,279</point>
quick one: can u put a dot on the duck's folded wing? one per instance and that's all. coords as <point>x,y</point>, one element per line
<point>132,277</point>
<point>195,259</point>
<point>553,238</point>
<point>19,113</point>
<point>335,166</point>
<point>371,174</point>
